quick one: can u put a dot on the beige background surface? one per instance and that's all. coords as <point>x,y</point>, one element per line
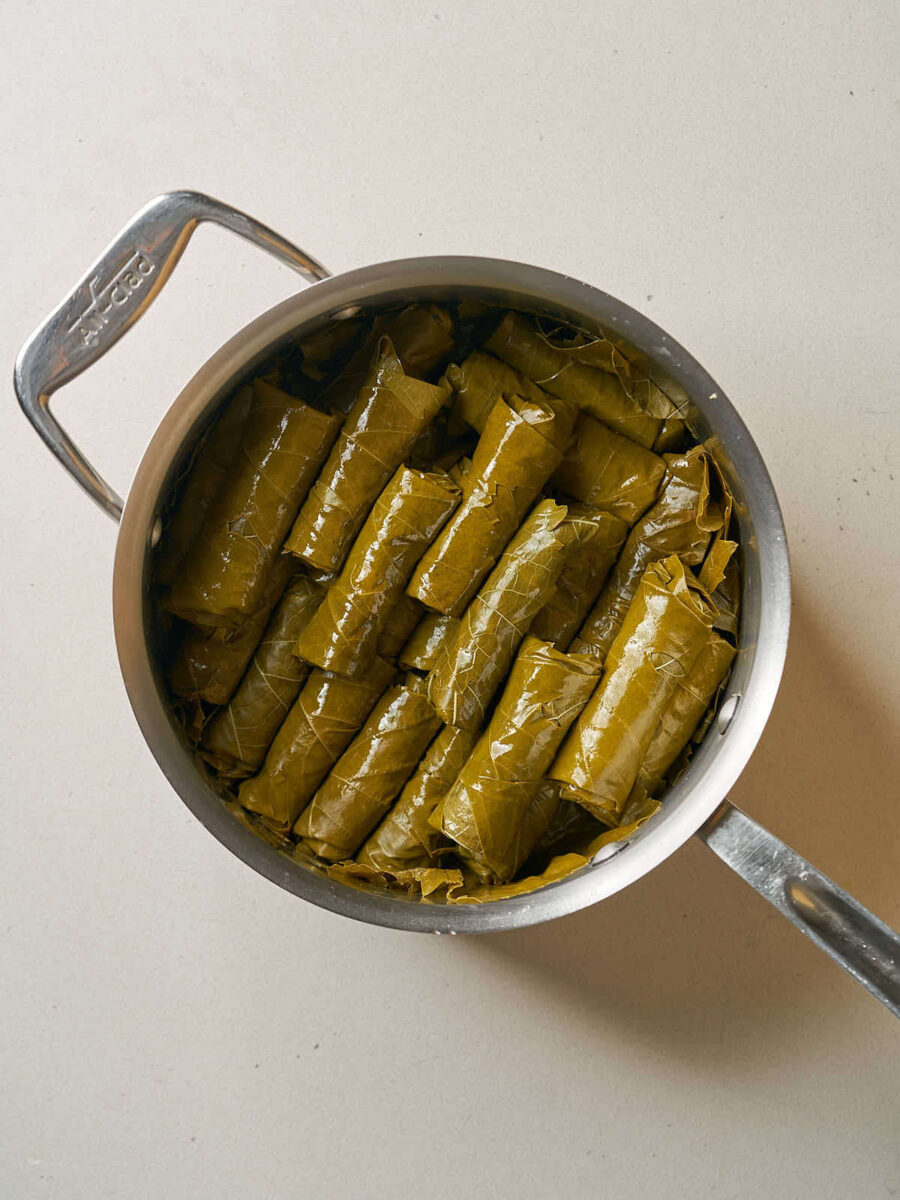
<point>175,1026</point>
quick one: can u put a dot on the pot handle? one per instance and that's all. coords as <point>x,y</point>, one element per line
<point>117,289</point>
<point>856,939</point>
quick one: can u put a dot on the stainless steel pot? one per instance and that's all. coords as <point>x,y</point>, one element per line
<point>120,286</point>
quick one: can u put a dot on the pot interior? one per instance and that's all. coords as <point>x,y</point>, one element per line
<point>711,419</point>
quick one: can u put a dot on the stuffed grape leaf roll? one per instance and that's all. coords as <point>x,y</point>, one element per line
<point>389,413</point>
<point>426,641</point>
<point>680,523</point>
<point>282,446</point>
<point>204,478</point>
<point>601,536</point>
<point>319,726</point>
<point>365,780</point>
<point>521,344</point>
<point>484,810</point>
<point>609,471</point>
<point>343,634</point>
<point>237,738</point>
<point>664,632</point>
<point>478,655</point>
<point>522,444</point>
<point>406,838</point>
<point>209,663</point>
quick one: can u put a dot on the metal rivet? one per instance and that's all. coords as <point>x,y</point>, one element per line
<point>726,713</point>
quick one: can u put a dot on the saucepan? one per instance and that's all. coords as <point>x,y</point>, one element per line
<point>120,286</point>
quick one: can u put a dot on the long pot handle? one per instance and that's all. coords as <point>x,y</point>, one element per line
<point>107,301</point>
<point>851,935</point>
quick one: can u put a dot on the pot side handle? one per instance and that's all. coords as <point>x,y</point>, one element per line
<point>117,289</point>
<point>856,939</point>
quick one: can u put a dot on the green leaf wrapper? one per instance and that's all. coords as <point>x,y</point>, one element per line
<point>475,661</point>
<point>672,436</point>
<point>319,726</point>
<point>480,381</point>
<point>721,548</point>
<point>365,780</point>
<point>728,599</point>
<point>679,523</point>
<point>600,538</point>
<point>237,738</point>
<point>609,471</point>
<point>209,663</point>
<point>427,640</point>
<point>343,635</point>
<point>619,358</point>
<point>422,336</point>
<point>387,417</point>
<point>664,631</point>
<point>204,478</point>
<point>522,444</point>
<point>485,809</point>
<point>406,838</point>
<point>329,347</point>
<point>401,621</point>
<point>561,865</point>
<point>518,342</point>
<point>283,444</point>
<point>689,702</point>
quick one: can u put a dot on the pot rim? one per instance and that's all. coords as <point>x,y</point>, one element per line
<point>721,757</point>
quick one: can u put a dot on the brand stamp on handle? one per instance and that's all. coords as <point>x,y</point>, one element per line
<point>115,294</point>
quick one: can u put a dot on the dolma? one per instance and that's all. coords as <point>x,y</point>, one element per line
<point>319,726</point>
<point>680,523</point>
<point>209,663</point>
<point>369,774</point>
<point>535,823</point>
<point>690,700</point>
<point>405,838</point>
<point>426,641</point>
<point>321,352</point>
<point>599,393</point>
<point>522,444</point>
<point>665,630</point>
<point>237,738</point>
<point>609,471</point>
<point>390,412</point>
<point>422,335</point>
<point>485,809</point>
<point>203,480</point>
<point>618,358</point>
<point>480,381</point>
<point>343,634</point>
<point>484,643</point>
<point>601,536</point>
<point>401,621</point>
<point>560,865</point>
<point>283,444</point>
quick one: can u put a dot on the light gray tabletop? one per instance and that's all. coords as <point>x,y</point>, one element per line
<point>176,1026</point>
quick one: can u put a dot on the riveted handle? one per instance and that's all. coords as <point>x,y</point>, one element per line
<point>848,933</point>
<point>107,301</point>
